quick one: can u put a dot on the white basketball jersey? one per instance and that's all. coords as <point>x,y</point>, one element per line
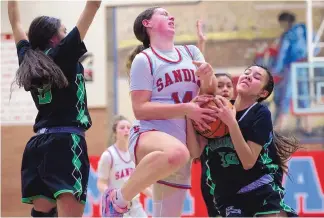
<point>121,168</point>
<point>172,80</point>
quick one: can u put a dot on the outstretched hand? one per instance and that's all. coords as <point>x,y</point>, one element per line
<point>201,36</point>
<point>204,71</point>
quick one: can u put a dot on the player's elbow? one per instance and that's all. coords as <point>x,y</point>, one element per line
<point>194,153</point>
<point>140,110</point>
<point>247,165</point>
<point>138,113</point>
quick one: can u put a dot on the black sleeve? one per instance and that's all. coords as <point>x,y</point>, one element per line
<point>22,47</point>
<point>261,127</point>
<point>70,49</point>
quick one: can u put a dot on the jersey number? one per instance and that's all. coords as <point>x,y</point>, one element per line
<point>187,97</point>
<point>229,158</point>
<point>44,97</point>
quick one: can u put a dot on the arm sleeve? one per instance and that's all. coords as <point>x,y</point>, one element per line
<point>140,74</point>
<point>104,165</point>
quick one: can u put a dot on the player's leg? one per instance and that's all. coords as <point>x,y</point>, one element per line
<point>44,208</point>
<point>153,150</point>
<point>34,191</point>
<point>168,201</point>
<point>159,151</point>
<point>66,172</point>
<point>69,206</point>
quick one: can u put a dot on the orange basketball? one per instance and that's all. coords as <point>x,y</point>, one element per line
<point>217,128</point>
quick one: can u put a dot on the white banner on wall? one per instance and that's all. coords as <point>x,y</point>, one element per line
<point>20,109</point>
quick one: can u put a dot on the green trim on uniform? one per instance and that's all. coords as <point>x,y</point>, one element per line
<point>29,200</point>
<point>56,194</point>
<point>267,212</point>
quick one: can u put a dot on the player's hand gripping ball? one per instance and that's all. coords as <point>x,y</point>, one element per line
<point>217,127</point>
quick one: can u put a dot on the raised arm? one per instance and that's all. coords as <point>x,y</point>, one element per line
<point>87,16</point>
<point>201,44</point>
<point>208,82</point>
<point>14,18</point>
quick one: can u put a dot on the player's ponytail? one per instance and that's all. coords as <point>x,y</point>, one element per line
<point>138,49</point>
<point>285,147</point>
<point>141,34</point>
<point>38,69</point>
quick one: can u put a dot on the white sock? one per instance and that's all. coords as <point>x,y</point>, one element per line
<point>167,201</point>
<point>157,208</point>
<point>119,199</point>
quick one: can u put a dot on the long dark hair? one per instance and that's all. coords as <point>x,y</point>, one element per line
<point>285,146</point>
<point>141,34</point>
<point>38,69</point>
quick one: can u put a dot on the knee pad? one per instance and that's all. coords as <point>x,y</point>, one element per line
<point>51,213</point>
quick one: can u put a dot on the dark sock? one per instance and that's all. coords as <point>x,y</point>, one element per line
<point>51,213</point>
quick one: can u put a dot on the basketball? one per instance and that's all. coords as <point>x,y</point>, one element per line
<point>217,127</point>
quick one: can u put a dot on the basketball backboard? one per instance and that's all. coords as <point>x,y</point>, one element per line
<point>308,88</point>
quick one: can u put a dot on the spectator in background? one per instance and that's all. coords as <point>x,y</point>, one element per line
<point>115,165</point>
<point>292,48</point>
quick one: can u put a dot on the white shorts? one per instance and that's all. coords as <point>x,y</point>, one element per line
<point>180,179</point>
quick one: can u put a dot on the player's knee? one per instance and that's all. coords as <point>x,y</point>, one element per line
<point>69,206</point>
<point>51,213</point>
<point>178,156</point>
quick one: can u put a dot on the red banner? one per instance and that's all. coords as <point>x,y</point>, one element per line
<point>304,188</point>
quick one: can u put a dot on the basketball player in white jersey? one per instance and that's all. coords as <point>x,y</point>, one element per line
<point>115,166</point>
<point>163,82</point>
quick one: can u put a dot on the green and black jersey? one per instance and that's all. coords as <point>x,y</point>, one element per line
<point>66,106</point>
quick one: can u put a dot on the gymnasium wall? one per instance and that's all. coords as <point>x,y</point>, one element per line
<point>235,31</point>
